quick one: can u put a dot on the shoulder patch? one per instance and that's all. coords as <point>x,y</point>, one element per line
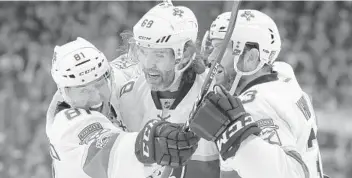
<point>123,62</point>
<point>263,123</point>
<point>92,132</point>
<point>127,87</point>
<point>269,131</point>
<point>248,96</point>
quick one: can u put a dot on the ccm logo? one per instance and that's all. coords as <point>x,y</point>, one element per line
<point>146,136</point>
<point>235,127</point>
<point>144,38</point>
<point>86,71</point>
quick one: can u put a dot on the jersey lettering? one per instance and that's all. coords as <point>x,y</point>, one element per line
<point>312,137</point>
<point>72,113</point>
<point>303,106</point>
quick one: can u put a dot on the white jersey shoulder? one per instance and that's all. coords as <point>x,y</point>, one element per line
<point>285,72</point>
<point>70,133</point>
<point>125,68</point>
<point>82,143</point>
<point>287,119</point>
<point>67,124</point>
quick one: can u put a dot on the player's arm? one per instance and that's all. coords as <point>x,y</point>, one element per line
<point>267,158</point>
<point>110,152</point>
<point>105,145</point>
<point>237,138</point>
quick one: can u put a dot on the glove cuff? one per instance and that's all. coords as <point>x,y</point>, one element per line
<point>231,139</point>
<point>145,143</point>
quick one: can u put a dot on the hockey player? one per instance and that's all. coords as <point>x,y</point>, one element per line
<point>84,143</point>
<point>270,129</point>
<point>165,40</point>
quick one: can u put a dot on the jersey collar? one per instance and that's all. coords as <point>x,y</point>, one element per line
<point>187,82</point>
<point>262,79</point>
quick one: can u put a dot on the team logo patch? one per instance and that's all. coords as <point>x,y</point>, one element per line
<point>269,131</point>
<point>178,12</point>
<point>103,139</point>
<point>92,132</point>
<point>263,123</point>
<point>166,103</point>
<point>248,15</point>
<point>165,4</point>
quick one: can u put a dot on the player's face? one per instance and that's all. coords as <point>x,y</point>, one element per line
<point>226,71</point>
<point>91,94</point>
<point>158,66</point>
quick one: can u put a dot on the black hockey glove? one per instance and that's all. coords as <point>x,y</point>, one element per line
<point>222,118</point>
<point>165,143</point>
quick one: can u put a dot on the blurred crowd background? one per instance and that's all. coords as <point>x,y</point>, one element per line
<point>316,37</point>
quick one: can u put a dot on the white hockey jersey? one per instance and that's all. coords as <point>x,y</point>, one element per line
<point>85,144</point>
<point>64,128</point>
<point>287,146</point>
<point>139,104</point>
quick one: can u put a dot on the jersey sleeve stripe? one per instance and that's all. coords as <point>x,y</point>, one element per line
<point>295,155</point>
<point>97,160</point>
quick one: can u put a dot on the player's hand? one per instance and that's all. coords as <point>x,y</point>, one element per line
<point>165,143</point>
<point>222,118</point>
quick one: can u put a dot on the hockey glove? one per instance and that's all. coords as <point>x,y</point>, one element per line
<point>165,143</point>
<point>222,118</point>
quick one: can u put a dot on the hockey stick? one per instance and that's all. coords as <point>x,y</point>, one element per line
<point>215,64</point>
<point>214,68</point>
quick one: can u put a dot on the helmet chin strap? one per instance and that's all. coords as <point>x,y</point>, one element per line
<point>235,83</point>
<point>239,74</point>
